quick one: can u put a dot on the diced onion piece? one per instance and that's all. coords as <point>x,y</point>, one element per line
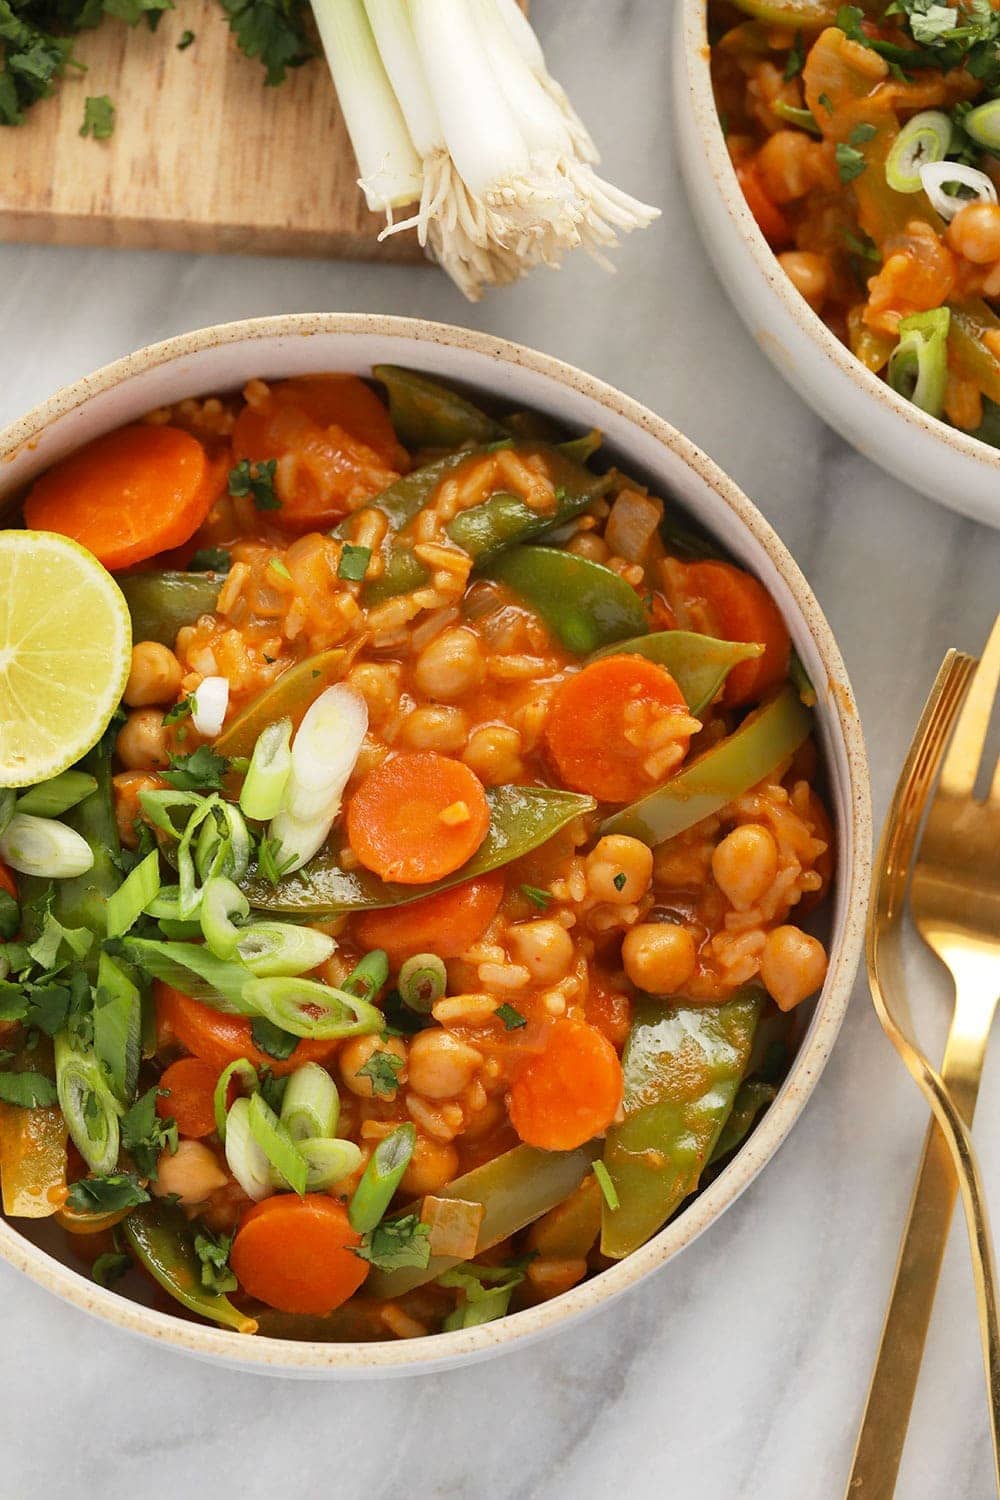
<point>44,847</point>
<point>133,896</point>
<point>247,1160</point>
<point>311,1105</point>
<point>89,1108</point>
<point>309,1009</point>
<point>324,754</point>
<point>221,901</point>
<point>328,1162</point>
<point>282,949</point>
<point>382,1177</point>
<point>270,768</point>
<point>245,1071</point>
<point>454,1226</point>
<point>209,703</point>
<point>924,139</point>
<point>936,174</point>
<point>633,523</point>
<point>277,1145</point>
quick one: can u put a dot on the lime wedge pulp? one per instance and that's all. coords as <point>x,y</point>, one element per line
<point>65,652</point>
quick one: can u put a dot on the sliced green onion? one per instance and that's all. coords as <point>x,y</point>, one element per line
<point>939,178</point>
<point>309,1009</point>
<point>483,1303</point>
<point>50,799</point>
<point>423,980</point>
<point>924,138</point>
<point>918,366</point>
<point>190,892</point>
<point>282,948</point>
<point>367,978</point>
<point>247,1075</point>
<point>247,1160</point>
<point>179,932</point>
<point>195,971</point>
<point>44,847</point>
<point>792,115</point>
<point>328,1162</point>
<point>133,896</point>
<point>277,1145</point>
<point>381,1178</point>
<point>224,844</point>
<point>158,806</point>
<point>89,1108</point>
<point>117,1027</point>
<point>270,768</point>
<point>221,901</point>
<point>166,903</point>
<point>608,1189</point>
<point>983,124</point>
<point>311,1105</point>
<point>325,749</point>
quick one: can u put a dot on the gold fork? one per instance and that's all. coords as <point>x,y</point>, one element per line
<point>948,1148</point>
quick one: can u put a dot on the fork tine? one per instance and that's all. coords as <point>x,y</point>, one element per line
<point>961,764</point>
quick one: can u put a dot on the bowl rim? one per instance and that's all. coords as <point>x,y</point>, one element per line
<point>697,52</point>
<point>437,1350</point>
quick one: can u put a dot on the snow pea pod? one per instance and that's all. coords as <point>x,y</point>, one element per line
<point>162,1241</point>
<point>583,603</point>
<point>160,603</point>
<point>767,736</point>
<point>521,818</point>
<point>699,664</point>
<point>515,1189</point>
<point>752,1096</point>
<point>683,1065</point>
<point>288,697</point>
<point>428,415</point>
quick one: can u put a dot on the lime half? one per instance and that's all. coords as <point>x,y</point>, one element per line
<point>65,651</point>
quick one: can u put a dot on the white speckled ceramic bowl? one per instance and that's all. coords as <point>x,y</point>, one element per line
<point>219,359</point>
<point>936,459</point>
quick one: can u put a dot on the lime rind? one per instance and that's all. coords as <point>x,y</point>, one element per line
<point>65,654</point>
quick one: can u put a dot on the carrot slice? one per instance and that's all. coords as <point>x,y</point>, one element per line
<point>568,1093</point>
<point>446,923</point>
<point>7,881</point>
<point>737,607</point>
<point>599,726</point>
<point>327,470</point>
<point>128,495</point>
<point>297,1254</point>
<point>186,1095</point>
<point>417,818</point>
<point>220,1040</point>
<point>345,401</point>
<point>770,220</point>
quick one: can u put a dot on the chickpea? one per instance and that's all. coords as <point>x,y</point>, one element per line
<point>494,753</point>
<point>192,1172</point>
<point>432,1164</point>
<point>787,162</point>
<point>142,741</point>
<point>378,684</point>
<point>744,864</point>
<point>974,233</point>
<point>545,948</point>
<point>616,856</point>
<point>356,1054</point>
<point>792,966</point>
<point>659,957</point>
<point>127,785</point>
<point>440,1065</point>
<point>450,664</point>
<point>588,544</point>
<point>435,728</point>
<point>809,273</point>
<point>154,677</point>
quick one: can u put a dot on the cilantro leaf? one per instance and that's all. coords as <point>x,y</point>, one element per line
<point>256,479</point>
<point>354,563</point>
<point>110,1267</point>
<point>181,710</point>
<point>212,1251</point>
<point>272,1040</point>
<point>106,1195</point>
<point>187,37</point>
<point>796,59</point>
<point>56,945</point>
<point>201,771</point>
<point>28,1090</point>
<point>850,162</point>
<point>382,1069</point>
<point>145,1133</point>
<point>98,117</point>
<point>273,30</point>
<point>511,1018</point>
<point>10,916</point>
<point>397,1242</point>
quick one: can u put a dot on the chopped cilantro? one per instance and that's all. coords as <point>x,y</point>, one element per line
<point>276,31</point>
<point>28,1090</point>
<point>511,1018</point>
<point>201,771</point>
<point>862,132</point>
<point>382,1069</point>
<point>619,880</point>
<point>10,916</point>
<point>210,560</point>
<point>106,1195</point>
<point>180,710</point>
<point>796,59</point>
<point>212,1251</point>
<point>98,117</point>
<point>861,245</point>
<point>110,1267</point>
<point>187,37</point>
<point>145,1133</point>
<point>536,896</point>
<point>850,162</point>
<point>397,1242</point>
<point>255,479</point>
<point>354,563</point>
<point>272,1040</point>
<point>824,99</point>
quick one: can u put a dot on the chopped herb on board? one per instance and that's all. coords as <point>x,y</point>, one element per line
<point>98,117</point>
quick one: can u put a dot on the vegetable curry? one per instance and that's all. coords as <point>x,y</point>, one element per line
<point>447,875</point>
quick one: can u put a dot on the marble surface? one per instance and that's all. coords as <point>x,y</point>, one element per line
<point>740,1370</point>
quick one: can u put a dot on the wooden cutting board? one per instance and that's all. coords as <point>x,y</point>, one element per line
<point>203,156</point>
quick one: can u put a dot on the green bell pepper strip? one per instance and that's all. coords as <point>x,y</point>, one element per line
<point>515,1189</point>
<point>767,736</point>
<point>521,818</point>
<point>160,603</point>
<point>699,664</point>
<point>428,415</point>
<point>683,1065</point>
<point>162,1242</point>
<point>584,604</point>
<point>752,1096</point>
<point>288,697</point>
